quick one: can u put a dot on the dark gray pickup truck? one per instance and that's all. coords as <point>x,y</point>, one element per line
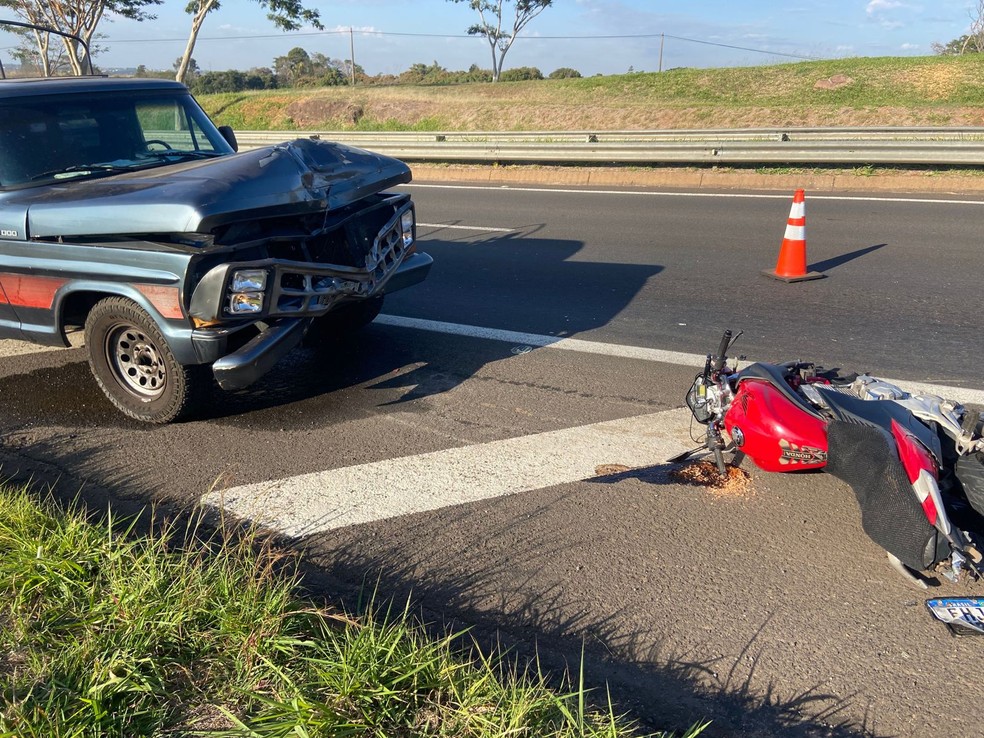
<point>126,212</point>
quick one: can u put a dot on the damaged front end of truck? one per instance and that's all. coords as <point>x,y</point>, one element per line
<point>126,212</point>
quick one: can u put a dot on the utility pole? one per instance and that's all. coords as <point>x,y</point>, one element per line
<point>352,52</point>
<point>662,38</point>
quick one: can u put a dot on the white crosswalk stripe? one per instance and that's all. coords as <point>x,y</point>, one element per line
<point>321,501</point>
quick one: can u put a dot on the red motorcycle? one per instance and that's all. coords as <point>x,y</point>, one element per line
<point>915,462</point>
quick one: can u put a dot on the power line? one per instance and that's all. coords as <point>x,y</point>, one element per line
<point>743,48</point>
<point>301,34</point>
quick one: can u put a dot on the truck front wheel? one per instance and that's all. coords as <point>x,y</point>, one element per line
<point>135,368</point>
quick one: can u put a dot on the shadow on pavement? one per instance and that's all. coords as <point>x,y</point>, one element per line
<point>458,585</point>
<point>827,264</point>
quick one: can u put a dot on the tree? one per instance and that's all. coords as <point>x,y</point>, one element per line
<point>298,68</point>
<point>565,73</point>
<point>38,59</point>
<point>34,53</point>
<point>288,15</point>
<point>192,69</point>
<point>521,74</point>
<point>293,66</point>
<point>971,42</point>
<point>500,41</point>
<point>960,45</point>
<point>79,17</point>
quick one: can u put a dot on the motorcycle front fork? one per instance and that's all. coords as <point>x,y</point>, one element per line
<point>715,443</point>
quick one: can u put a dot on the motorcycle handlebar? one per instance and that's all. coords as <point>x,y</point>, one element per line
<point>720,357</point>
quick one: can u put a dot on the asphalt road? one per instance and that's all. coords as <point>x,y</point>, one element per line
<point>767,611</point>
<point>670,271</point>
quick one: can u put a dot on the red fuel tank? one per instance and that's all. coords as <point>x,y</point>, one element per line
<point>774,431</point>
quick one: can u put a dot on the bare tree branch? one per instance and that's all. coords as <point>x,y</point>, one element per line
<point>78,17</point>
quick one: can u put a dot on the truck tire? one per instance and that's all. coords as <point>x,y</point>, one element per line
<point>970,472</point>
<point>344,321</point>
<point>134,366</point>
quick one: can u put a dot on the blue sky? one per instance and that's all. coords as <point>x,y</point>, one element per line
<point>436,32</point>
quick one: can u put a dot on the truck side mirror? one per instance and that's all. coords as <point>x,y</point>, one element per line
<point>230,136</point>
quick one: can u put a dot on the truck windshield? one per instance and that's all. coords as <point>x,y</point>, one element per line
<point>51,138</point>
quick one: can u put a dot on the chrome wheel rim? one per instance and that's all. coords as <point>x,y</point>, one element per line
<point>135,361</point>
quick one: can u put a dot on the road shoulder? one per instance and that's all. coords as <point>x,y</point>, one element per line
<point>703,179</point>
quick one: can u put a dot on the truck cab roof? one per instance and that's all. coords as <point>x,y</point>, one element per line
<point>30,86</point>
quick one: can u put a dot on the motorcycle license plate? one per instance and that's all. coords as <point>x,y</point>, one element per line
<point>963,615</point>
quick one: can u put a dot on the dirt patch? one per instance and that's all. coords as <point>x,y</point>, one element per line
<point>317,111</point>
<point>605,470</point>
<point>321,112</point>
<point>833,83</point>
<point>937,82</point>
<point>736,483</point>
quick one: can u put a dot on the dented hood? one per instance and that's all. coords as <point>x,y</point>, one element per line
<point>300,176</point>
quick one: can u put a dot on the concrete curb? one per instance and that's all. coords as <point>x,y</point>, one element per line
<point>695,179</point>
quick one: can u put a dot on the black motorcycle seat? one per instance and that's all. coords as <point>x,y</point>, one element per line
<point>776,376</point>
<point>879,413</point>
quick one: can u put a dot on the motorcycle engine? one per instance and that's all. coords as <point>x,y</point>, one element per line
<point>868,388</point>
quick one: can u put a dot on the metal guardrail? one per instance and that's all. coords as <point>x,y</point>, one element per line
<point>857,146</point>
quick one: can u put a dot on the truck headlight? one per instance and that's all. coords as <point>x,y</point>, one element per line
<point>248,280</point>
<point>406,224</point>
<point>247,290</point>
<point>242,303</point>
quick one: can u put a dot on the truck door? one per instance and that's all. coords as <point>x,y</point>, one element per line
<point>9,324</point>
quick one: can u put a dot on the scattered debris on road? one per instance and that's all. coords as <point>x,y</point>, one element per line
<point>705,474</point>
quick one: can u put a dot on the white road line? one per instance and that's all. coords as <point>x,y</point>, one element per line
<point>488,229</point>
<point>313,503</point>
<point>729,195</point>
<point>556,342</point>
<point>960,394</point>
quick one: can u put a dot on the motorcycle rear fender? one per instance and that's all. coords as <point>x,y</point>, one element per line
<point>776,433</point>
<point>923,474</point>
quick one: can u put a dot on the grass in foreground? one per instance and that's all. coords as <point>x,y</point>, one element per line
<point>107,635</point>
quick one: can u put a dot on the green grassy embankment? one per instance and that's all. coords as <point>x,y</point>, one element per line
<point>106,635</point>
<point>931,91</point>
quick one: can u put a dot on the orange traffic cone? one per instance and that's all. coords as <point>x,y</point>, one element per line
<point>791,266</point>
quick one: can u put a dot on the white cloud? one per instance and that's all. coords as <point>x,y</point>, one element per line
<point>876,7</point>
<point>910,47</point>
